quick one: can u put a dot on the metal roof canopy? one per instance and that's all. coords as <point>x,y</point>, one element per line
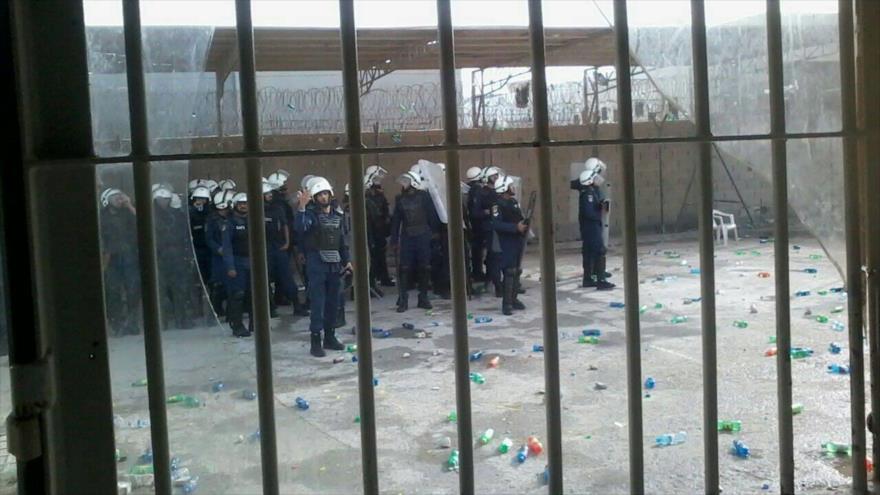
<point>389,49</point>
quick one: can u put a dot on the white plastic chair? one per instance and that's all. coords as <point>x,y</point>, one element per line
<point>724,223</point>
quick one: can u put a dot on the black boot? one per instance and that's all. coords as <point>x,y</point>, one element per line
<point>599,272</point>
<point>216,298</point>
<point>516,303</point>
<point>589,268</point>
<point>299,309</point>
<point>316,349</point>
<point>384,278</point>
<point>235,309</point>
<point>507,293</point>
<point>331,342</point>
<point>402,287</point>
<point>424,277</point>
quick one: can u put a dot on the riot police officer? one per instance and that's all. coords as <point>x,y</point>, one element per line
<point>214,226</point>
<point>476,217</point>
<point>120,262</point>
<point>237,260</point>
<point>591,205</point>
<point>510,231</point>
<point>279,199</point>
<point>199,208</point>
<point>378,224</point>
<point>327,258</point>
<point>174,257</point>
<point>412,224</point>
<point>487,201</point>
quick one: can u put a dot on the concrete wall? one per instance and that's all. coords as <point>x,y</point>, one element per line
<point>673,202</point>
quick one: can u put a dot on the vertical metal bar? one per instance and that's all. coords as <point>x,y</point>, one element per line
<point>548,255</point>
<point>780,247</point>
<point>140,149</point>
<point>351,87</point>
<point>457,268</point>
<point>257,234</point>
<point>630,261</point>
<point>707,247</point>
<point>854,289</point>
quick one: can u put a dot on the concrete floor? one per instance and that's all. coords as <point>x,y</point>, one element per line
<point>319,449</point>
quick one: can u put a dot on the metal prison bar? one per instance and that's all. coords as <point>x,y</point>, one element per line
<point>142,158</point>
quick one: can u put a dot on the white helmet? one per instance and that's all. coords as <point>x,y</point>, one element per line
<point>107,194</point>
<point>176,202</point>
<point>473,174</point>
<point>238,198</point>
<point>490,171</point>
<point>347,189</point>
<point>283,173</point>
<point>268,186</point>
<point>278,178</point>
<point>161,192</point>
<point>200,192</point>
<point>223,199</point>
<point>304,182</point>
<point>374,174</point>
<point>503,183</point>
<point>226,184</point>
<point>410,178</point>
<point>593,168</point>
<point>319,184</point>
<point>195,183</point>
<point>211,184</point>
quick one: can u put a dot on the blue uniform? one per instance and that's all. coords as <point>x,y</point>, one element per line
<point>478,218</point>
<point>236,256</point>
<point>174,256</point>
<point>277,253</point>
<point>413,224</point>
<point>505,216</point>
<point>326,253</point>
<point>198,215</point>
<point>214,226</point>
<point>488,201</point>
<point>121,272</point>
<point>591,203</point>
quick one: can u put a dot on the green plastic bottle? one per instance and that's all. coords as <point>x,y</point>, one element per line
<point>478,378</point>
<point>177,398</point>
<point>452,417</point>
<point>505,446</point>
<point>643,309</point>
<point>141,469</point>
<point>822,319</point>
<point>351,348</point>
<point>452,462</point>
<point>797,409</point>
<point>740,323</point>
<point>658,306</point>
<point>837,448</point>
<point>357,419</point>
<point>487,435</point>
<point>733,425</point>
<point>139,383</point>
<point>679,319</point>
<point>837,309</point>
<point>800,352</point>
<point>815,256</point>
<point>592,339</point>
<point>772,339</point>
<point>191,402</point>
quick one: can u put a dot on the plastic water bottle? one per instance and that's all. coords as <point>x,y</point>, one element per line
<point>254,437</point>
<point>797,409</point>
<point>837,309</point>
<point>588,340</point>
<point>770,352</point>
<point>354,359</point>
<point>522,454</point>
<point>377,330</point>
<point>740,449</point>
<point>591,332</point>
<point>834,348</point>
<point>658,306</point>
<point>248,395</point>
<point>139,383</point>
<point>385,334</point>
<point>487,435</point>
<point>546,476</point>
<point>740,323</point>
<point>822,292</point>
<point>802,293</point>
<point>505,446</point>
<point>217,387</point>
<point>535,447</point>
<point>771,339</point>
<point>476,355</point>
<point>837,326</point>
<point>351,348</point>
<point>452,417</point>
<point>837,448</point>
<point>836,289</point>
<point>650,383</point>
<point>695,271</point>
<point>452,462</point>
<point>409,326</point>
<point>191,485</point>
<point>810,270</point>
<point>301,403</point>
<point>643,309</point>
<point>801,352</point>
<point>616,304</point>
<point>141,469</point>
<point>679,319</point>
<point>838,369</point>
<point>537,348</point>
<point>764,274</point>
<point>477,378</point>
<point>482,319</point>
<point>822,319</point>
<point>668,439</point>
<point>732,425</point>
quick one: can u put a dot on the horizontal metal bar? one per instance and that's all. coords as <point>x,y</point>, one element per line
<point>237,155</point>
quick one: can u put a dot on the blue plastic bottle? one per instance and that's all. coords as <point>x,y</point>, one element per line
<point>802,293</point>
<point>476,355</point>
<point>537,348</point>
<point>592,332</point>
<point>810,270</point>
<point>650,383</point>
<point>838,369</point>
<point>482,319</point>
<point>834,348</point>
<point>616,304</point>
<point>522,454</point>
<point>740,449</point>
<point>302,403</point>
<point>668,439</point>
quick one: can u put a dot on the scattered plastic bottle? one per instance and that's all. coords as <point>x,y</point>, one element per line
<point>186,400</point>
<point>815,256</point>
<point>537,348</point>
<point>616,304</point>
<point>740,252</point>
<point>522,454</point>
<point>377,330</point>
<point>834,348</point>
<point>695,271</point>
<point>354,359</point>
<point>838,369</point>
<point>301,403</point>
<point>476,355</point>
<point>591,332</point>
<point>837,326</point>
<point>375,382</point>
<point>801,352</point>
<point>357,419</point>
<point>770,352</point>
<point>546,476</point>
<point>836,290</point>
<point>869,464</point>
<point>668,439</point>
<point>822,292</point>
<point>141,469</point>
<point>837,448</point>
<point>505,446</point>
<point>452,462</point>
<point>384,334</point>
<point>483,319</point>
<point>740,449</point>
<point>139,383</point>
<point>810,270</point>
<point>351,348</point>
<point>494,362</point>
<point>470,316</point>
<point>740,323</point>
<point>452,417</point>
<point>588,340</point>
<point>254,437</point>
<point>837,309</point>
<point>658,306</point>
<point>822,318</point>
<point>409,326</point>
<point>217,387</point>
<point>797,409</point>
<point>796,247</point>
<point>146,457</point>
<point>535,446</point>
<point>643,309</point>
<point>650,383</point>
<point>487,435</point>
<point>140,423</point>
<point>477,378</point>
<point>731,425</point>
<point>190,485</point>
<point>679,319</point>
<point>802,293</point>
<point>771,339</point>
